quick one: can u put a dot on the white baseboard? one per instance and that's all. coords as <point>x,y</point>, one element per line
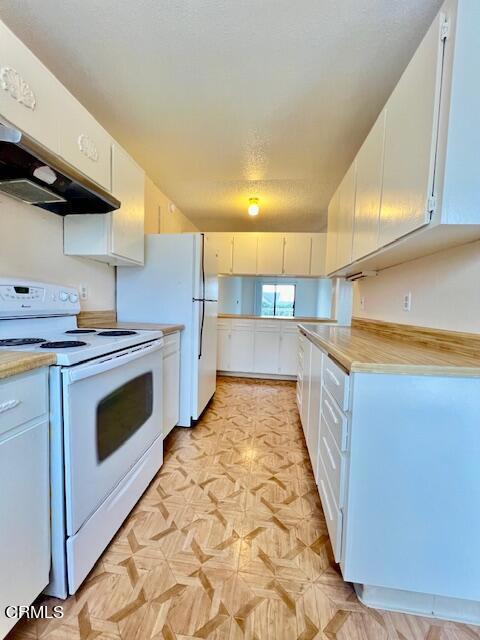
<point>259,376</point>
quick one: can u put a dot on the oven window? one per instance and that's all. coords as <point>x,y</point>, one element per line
<point>122,413</point>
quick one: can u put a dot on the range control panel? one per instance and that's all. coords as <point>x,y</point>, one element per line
<point>28,299</point>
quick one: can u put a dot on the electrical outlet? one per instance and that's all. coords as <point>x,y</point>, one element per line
<point>407,301</point>
<point>83,289</point>
<point>362,303</point>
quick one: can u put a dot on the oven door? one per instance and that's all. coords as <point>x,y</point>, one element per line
<point>112,414</point>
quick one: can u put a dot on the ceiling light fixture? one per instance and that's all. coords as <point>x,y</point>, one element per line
<point>253,207</point>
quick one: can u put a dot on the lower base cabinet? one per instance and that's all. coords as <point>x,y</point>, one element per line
<point>171,382</point>
<point>25,491</point>
<point>263,347</point>
<point>396,466</point>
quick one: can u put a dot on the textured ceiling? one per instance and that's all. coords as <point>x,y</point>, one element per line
<point>222,100</point>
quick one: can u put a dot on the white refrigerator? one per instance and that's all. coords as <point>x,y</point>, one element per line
<point>178,285</point>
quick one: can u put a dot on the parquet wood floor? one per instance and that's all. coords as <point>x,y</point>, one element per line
<point>229,542</point>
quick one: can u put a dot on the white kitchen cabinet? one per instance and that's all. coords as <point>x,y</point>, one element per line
<point>346,211</point>
<point>307,361</point>
<point>318,257</point>
<point>219,246</point>
<point>270,254</point>
<point>288,349</point>
<point>331,262</point>
<point>242,345</point>
<point>267,347</point>
<point>223,344</point>
<point>313,432</point>
<point>410,140</point>
<point>245,253</point>
<point>116,237</point>
<point>297,254</point>
<point>171,382</point>
<point>25,490</point>
<point>369,191</point>
<point>29,93</point>
<point>83,142</point>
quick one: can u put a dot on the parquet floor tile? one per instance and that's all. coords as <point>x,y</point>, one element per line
<point>229,542</point>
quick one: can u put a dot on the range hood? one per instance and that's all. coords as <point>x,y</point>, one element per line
<point>31,174</point>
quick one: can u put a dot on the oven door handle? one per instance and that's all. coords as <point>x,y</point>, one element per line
<point>110,362</point>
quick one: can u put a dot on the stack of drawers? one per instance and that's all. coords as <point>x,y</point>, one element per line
<point>333,449</point>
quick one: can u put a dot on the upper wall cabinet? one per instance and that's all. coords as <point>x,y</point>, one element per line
<point>29,93</point>
<point>219,247</point>
<point>410,140</point>
<point>270,254</point>
<point>116,237</point>
<point>317,260</point>
<point>245,253</point>
<point>297,254</point>
<point>345,213</point>
<point>423,196</point>
<point>84,143</point>
<point>369,191</point>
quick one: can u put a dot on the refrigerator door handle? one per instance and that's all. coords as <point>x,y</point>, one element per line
<point>201,330</point>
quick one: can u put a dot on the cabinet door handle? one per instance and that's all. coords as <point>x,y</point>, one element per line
<point>332,413</point>
<point>329,453</point>
<point>9,404</point>
<point>333,377</point>
<point>327,506</point>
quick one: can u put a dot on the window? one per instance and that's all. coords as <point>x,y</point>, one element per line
<point>278,300</point>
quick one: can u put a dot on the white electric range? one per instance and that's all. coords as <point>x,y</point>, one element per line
<point>105,415</point>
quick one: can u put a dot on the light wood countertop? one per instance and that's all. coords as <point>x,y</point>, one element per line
<point>145,326</point>
<point>235,316</point>
<point>15,362</point>
<point>368,351</point>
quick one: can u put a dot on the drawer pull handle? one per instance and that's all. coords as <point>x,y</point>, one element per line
<point>328,507</point>
<point>331,411</point>
<point>333,377</point>
<point>329,453</point>
<point>9,404</point>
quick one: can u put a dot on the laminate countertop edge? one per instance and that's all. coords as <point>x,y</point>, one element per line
<point>398,350</point>
<point>13,363</point>
<point>141,326</point>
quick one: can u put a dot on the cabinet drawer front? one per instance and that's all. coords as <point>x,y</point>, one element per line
<point>22,398</point>
<point>336,381</point>
<point>333,463</point>
<point>333,515</point>
<point>84,143</point>
<point>335,419</point>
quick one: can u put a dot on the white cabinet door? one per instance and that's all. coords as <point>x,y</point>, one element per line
<point>288,349</point>
<point>410,141</point>
<point>83,142</point>
<point>219,246</point>
<point>332,233</point>
<point>242,346</point>
<point>270,254</point>
<point>267,347</point>
<point>319,248</point>
<point>313,433</point>
<point>307,360</point>
<point>25,516</point>
<point>29,93</point>
<point>223,345</point>
<point>369,191</point>
<point>128,185</point>
<point>245,253</point>
<point>346,209</point>
<point>297,254</point>
<point>171,382</point>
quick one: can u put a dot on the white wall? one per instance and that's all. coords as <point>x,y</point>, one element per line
<point>230,294</point>
<point>445,290</point>
<point>158,218</point>
<point>31,247</point>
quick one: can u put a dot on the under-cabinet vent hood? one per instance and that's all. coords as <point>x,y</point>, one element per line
<point>30,173</point>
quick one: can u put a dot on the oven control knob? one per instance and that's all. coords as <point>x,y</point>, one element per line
<point>73,297</point>
<point>63,296</point>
